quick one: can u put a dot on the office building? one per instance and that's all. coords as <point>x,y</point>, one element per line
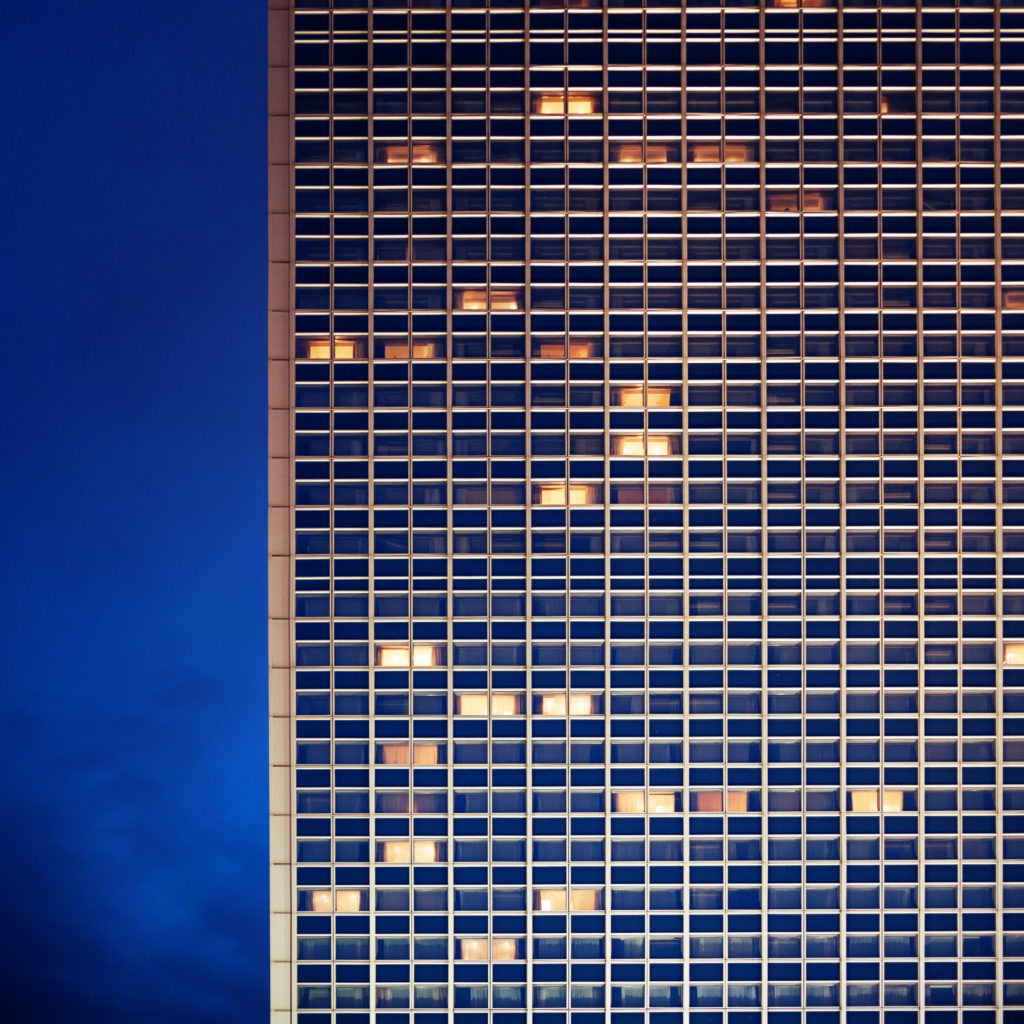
<point>647,511</point>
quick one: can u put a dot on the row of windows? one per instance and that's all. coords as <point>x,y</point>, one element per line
<point>820,51</point>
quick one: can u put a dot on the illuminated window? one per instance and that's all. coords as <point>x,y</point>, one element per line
<point>426,753</point>
<point>630,803</point>
<point>403,153</point>
<point>319,349</point>
<point>708,800</point>
<point>1013,298</point>
<point>396,851</point>
<point>476,949</point>
<point>504,299</point>
<point>556,349</point>
<point>473,704</point>
<point>632,396</point>
<point>558,103</point>
<point>815,202</point>
<point>661,803</point>
<point>736,800</point>
<point>892,800</point>
<point>555,704</point>
<point>586,899</point>
<point>344,348</point>
<point>783,201</point>
<point>472,949</point>
<point>398,655</point>
<point>549,899</point>
<point>637,802</point>
<point>633,153</point>
<point>476,298</point>
<point>739,152</point>
<point>871,800</point>
<point>348,901</point>
<point>403,350</point>
<point>562,494</point>
<point>506,704</point>
<point>392,753</point>
<point>633,444</point>
<point>705,152</point>
<point>627,152</point>
<point>1013,654</point>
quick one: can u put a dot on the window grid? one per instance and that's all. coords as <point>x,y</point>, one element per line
<point>892,497</point>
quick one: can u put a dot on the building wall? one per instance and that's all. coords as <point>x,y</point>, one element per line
<point>646,392</point>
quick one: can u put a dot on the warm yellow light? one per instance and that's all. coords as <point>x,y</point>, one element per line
<point>426,753</point>
<point>814,202</point>
<point>426,153</point>
<point>659,397</point>
<point>884,105</point>
<point>736,801</point>
<point>892,800</point>
<point>473,949</point>
<point>1013,654</point>
<point>348,901</point>
<point>551,350</point>
<point>394,851</point>
<point>321,900</point>
<point>549,899</point>
<point>559,494</point>
<point>1013,298</point>
<point>581,349</point>
<point>661,803</point>
<point>657,154</point>
<point>864,799</point>
<point>503,949</point>
<point>585,899</point>
<point>581,704</point>
<point>426,655</point>
<point>582,103</point>
<point>630,802</point>
<point>392,655</point>
<point>473,299</point>
<point>630,445</point>
<point>551,494</point>
<point>709,800</point>
<point>553,704</point>
<point>632,398</point>
<point>505,704</point>
<point>628,152</point>
<point>319,349</point>
<point>783,201</point>
<point>418,153</point>
<point>705,153</point>
<point>507,299</point>
<point>549,103</point>
<point>738,152</point>
<point>401,350</point>
<point>424,852</point>
<point>633,444</point>
<point>393,753</point>
<point>473,704</point>
<point>556,103</point>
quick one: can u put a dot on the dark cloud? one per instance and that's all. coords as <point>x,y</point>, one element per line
<point>133,800</point>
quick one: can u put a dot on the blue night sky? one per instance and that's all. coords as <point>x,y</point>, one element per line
<point>132,411</point>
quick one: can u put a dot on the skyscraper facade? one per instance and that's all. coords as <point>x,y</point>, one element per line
<point>647,511</point>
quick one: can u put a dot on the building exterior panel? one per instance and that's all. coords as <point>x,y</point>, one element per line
<point>646,512</point>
